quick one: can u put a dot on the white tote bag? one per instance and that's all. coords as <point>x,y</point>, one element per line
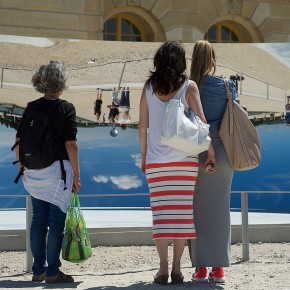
<point>180,132</point>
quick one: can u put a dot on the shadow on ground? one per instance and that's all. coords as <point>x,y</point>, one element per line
<point>152,286</point>
<point>8,284</point>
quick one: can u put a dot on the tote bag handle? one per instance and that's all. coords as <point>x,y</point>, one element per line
<point>230,104</point>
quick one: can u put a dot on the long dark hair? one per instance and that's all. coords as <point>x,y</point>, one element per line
<point>169,68</point>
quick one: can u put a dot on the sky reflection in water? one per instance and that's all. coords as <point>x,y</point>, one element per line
<point>112,166</point>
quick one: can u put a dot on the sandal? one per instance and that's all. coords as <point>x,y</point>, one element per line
<point>161,279</point>
<point>60,278</point>
<point>177,278</point>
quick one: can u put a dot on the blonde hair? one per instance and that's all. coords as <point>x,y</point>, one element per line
<point>202,62</point>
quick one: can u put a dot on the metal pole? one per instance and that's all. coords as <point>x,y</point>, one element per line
<point>29,258</point>
<point>2,76</point>
<point>122,75</point>
<point>245,226</point>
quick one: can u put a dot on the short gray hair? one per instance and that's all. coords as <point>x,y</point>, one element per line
<point>50,78</point>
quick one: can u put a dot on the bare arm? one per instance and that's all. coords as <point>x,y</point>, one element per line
<point>143,126</point>
<point>193,100</point>
<point>73,154</point>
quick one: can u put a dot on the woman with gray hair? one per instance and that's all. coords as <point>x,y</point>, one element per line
<point>52,175</point>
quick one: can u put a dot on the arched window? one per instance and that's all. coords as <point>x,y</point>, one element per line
<point>222,32</point>
<point>120,28</point>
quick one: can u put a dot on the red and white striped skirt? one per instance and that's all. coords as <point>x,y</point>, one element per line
<point>171,188</point>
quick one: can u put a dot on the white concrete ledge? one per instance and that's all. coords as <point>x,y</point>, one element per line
<point>14,240</point>
<point>133,227</point>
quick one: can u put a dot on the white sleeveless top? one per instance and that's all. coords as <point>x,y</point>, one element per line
<point>157,152</point>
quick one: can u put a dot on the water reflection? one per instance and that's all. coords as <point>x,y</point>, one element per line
<point>112,166</point>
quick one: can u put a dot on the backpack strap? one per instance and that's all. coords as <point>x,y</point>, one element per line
<point>63,173</point>
<point>58,103</point>
<point>15,144</point>
<point>19,175</point>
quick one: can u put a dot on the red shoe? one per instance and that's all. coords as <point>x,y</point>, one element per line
<point>217,275</point>
<point>200,275</point>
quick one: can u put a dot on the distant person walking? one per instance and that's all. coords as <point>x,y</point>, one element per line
<point>98,105</point>
<point>287,106</point>
<point>123,117</point>
<point>170,173</point>
<point>49,185</point>
<point>114,111</point>
<point>212,188</point>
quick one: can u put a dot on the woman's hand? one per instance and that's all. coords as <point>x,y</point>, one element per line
<point>76,184</point>
<point>210,163</point>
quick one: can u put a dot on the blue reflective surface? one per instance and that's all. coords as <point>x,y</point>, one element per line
<point>272,175</point>
<point>112,166</point>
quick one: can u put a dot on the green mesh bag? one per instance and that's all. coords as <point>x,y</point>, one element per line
<point>76,246</point>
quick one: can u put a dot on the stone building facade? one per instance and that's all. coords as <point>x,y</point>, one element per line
<point>149,20</point>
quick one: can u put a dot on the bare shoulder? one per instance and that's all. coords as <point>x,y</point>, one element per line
<point>143,94</point>
<point>143,98</point>
<point>192,87</point>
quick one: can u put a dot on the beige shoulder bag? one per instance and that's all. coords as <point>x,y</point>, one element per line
<point>239,136</point>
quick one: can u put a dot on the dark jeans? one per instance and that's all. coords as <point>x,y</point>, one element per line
<point>46,252</point>
<point>125,99</point>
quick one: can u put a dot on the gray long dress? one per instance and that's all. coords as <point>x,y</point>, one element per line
<point>212,212</point>
<point>212,191</point>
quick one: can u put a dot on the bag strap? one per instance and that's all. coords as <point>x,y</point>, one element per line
<point>75,201</point>
<point>58,103</point>
<point>230,105</point>
<point>19,175</point>
<point>63,173</point>
<point>180,91</point>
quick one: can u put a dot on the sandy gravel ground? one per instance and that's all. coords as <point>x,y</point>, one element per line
<point>132,268</point>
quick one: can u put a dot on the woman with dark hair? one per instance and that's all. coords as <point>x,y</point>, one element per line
<point>212,191</point>
<point>170,173</point>
<point>50,186</point>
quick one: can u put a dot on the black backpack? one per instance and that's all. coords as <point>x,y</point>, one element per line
<point>38,146</point>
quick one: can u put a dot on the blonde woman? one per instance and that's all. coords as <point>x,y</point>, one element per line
<point>212,189</point>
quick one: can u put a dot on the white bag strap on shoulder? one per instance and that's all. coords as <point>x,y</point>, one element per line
<point>230,104</point>
<point>180,91</point>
